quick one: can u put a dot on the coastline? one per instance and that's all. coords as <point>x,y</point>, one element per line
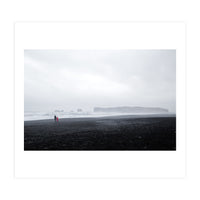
<point>102,133</point>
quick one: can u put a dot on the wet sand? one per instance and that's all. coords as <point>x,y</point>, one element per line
<point>103,133</point>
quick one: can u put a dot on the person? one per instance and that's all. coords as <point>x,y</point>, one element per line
<point>54,117</point>
<point>57,119</point>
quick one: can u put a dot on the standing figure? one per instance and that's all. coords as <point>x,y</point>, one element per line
<point>55,117</point>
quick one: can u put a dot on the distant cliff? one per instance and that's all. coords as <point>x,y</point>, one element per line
<point>128,109</point>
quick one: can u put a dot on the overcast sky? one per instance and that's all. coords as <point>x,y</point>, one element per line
<point>71,79</point>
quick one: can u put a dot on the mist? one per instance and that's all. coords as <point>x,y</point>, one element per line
<point>72,79</point>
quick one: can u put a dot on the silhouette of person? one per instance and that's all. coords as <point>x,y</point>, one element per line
<point>54,117</point>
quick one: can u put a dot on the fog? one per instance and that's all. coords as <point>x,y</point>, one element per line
<point>72,79</point>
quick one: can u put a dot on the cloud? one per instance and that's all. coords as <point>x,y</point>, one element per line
<point>88,78</point>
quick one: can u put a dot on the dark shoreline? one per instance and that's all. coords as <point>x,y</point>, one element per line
<point>107,117</point>
<point>126,132</point>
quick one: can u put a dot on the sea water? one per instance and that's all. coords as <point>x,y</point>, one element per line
<point>29,116</point>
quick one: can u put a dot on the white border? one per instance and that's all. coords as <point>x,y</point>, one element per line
<point>99,164</point>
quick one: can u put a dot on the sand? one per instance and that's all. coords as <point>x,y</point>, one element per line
<point>105,133</point>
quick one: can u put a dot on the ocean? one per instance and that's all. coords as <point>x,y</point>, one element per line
<point>30,116</point>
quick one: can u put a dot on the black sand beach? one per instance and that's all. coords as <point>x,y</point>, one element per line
<point>104,133</point>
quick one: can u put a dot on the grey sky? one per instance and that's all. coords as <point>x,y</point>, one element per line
<point>71,79</point>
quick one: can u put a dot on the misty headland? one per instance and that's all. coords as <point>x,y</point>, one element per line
<point>96,112</point>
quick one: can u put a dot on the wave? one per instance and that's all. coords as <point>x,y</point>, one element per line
<point>30,116</point>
